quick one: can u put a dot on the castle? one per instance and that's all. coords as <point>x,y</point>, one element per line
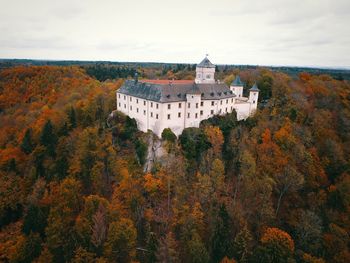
<point>179,104</point>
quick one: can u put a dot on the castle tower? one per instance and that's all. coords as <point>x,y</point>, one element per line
<point>205,72</point>
<point>253,98</point>
<point>237,87</point>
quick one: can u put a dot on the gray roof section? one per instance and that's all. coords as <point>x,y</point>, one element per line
<point>205,63</point>
<point>237,81</point>
<point>254,88</point>
<point>175,92</point>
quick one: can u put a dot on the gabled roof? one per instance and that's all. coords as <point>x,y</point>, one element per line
<point>205,63</point>
<point>171,92</point>
<point>254,88</point>
<point>237,81</point>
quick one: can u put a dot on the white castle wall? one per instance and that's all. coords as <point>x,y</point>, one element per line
<point>177,116</point>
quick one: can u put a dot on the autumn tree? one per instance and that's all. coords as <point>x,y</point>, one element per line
<point>120,245</point>
<point>168,249</point>
<point>276,246</point>
<point>60,231</point>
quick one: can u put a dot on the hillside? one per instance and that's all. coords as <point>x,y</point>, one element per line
<point>273,188</point>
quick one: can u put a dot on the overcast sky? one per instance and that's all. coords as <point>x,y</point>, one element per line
<point>258,32</point>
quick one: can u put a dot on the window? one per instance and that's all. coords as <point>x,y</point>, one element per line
<point>130,98</point>
<point>253,101</point>
<point>151,104</point>
<point>119,96</point>
<point>212,112</point>
<point>231,100</point>
<point>208,76</point>
<point>219,111</point>
<point>169,106</point>
<point>212,103</point>
<point>119,104</point>
<point>221,102</point>
<point>180,105</point>
<point>231,108</point>
<point>199,75</point>
<point>226,109</point>
<point>124,106</point>
<point>168,116</point>
<point>188,115</point>
<point>226,101</point>
<point>151,114</point>
<point>144,112</point>
<point>201,112</point>
<point>196,115</point>
<point>130,107</point>
<point>202,103</point>
<point>196,105</point>
<point>179,114</point>
<point>137,101</point>
<point>157,116</point>
<point>144,103</point>
<point>137,110</point>
<point>124,97</point>
<point>189,105</point>
<point>157,105</point>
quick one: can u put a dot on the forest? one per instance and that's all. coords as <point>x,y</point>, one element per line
<point>273,188</point>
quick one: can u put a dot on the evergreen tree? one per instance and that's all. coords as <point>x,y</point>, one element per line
<point>222,243</point>
<point>197,250</point>
<point>152,246</point>
<point>35,220</point>
<point>63,131</point>
<point>72,118</point>
<point>48,138</point>
<point>27,144</point>
<point>241,245</point>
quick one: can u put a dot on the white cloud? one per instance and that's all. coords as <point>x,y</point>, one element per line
<point>270,32</point>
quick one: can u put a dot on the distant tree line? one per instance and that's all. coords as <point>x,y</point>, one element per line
<point>104,72</point>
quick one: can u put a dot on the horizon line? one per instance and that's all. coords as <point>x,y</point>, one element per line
<point>162,62</point>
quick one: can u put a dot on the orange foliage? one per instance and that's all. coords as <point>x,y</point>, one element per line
<point>152,184</point>
<point>215,137</point>
<point>227,260</point>
<point>278,236</point>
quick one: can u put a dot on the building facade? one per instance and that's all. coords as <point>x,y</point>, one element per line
<point>160,104</point>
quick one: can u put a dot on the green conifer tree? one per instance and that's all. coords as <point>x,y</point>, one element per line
<point>27,144</point>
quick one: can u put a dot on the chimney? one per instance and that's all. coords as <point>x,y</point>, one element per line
<point>136,77</point>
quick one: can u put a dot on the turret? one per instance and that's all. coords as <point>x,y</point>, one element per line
<point>253,98</point>
<point>205,72</point>
<point>237,87</point>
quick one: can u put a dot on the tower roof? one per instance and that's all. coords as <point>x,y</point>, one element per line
<point>205,63</point>
<point>237,81</point>
<point>254,88</point>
